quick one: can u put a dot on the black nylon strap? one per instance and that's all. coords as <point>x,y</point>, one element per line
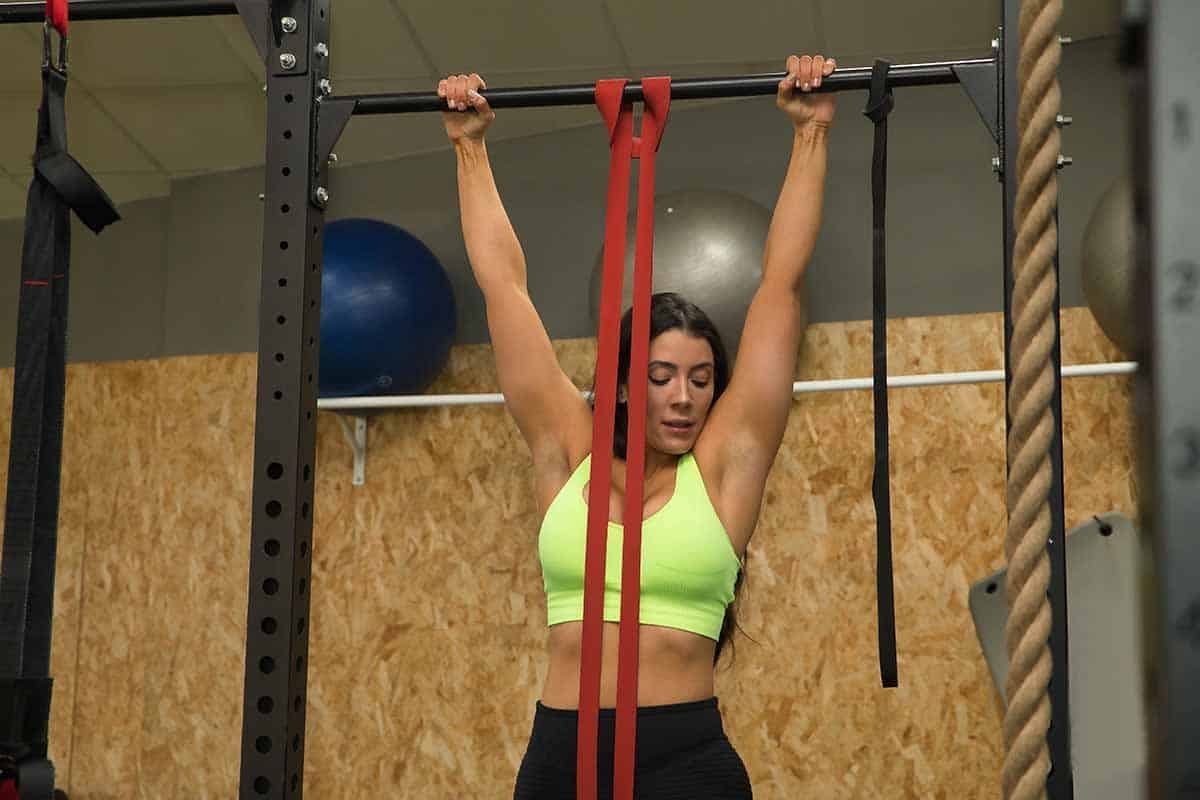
<point>27,563</point>
<point>32,453</point>
<point>879,105</point>
<point>24,719</point>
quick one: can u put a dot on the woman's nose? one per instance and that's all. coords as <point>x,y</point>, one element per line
<point>683,394</point>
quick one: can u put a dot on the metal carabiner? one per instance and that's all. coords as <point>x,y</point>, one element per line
<point>47,62</point>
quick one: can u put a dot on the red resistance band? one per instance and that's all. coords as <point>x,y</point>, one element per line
<point>618,115</point>
<point>56,15</point>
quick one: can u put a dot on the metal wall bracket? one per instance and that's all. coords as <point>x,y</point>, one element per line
<point>256,16</point>
<point>981,82</point>
<point>356,436</point>
<point>333,114</point>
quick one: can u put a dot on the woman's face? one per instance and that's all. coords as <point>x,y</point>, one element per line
<point>679,393</point>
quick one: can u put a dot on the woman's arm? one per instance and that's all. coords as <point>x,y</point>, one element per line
<point>549,411</point>
<point>747,424</point>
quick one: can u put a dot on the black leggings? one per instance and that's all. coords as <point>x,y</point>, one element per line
<point>682,754</point>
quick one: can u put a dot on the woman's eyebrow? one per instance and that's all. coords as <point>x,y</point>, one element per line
<point>671,365</point>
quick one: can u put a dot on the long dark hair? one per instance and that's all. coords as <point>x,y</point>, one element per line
<point>669,311</point>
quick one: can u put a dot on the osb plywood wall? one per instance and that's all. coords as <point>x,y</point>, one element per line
<point>428,619</point>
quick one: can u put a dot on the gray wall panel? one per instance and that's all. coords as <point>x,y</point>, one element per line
<point>117,283</point>
<point>215,247</point>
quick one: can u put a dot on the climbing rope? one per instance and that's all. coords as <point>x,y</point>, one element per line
<point>1027,719</point>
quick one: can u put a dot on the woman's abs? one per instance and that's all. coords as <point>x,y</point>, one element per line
<point>674,666</point>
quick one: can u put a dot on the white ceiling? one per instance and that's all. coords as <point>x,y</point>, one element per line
<point>153,101</point>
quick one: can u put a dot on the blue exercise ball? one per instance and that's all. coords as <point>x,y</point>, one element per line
<point>387,311</point>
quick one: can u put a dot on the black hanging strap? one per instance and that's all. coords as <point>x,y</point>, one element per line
<point>35,454</point>
<point>879,105</point>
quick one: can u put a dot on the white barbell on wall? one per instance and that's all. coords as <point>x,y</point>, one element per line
<point>357,436</point>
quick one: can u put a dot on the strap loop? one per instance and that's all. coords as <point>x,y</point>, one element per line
<point>609,94</point>
<point>879,105</point>
<point>880,101</point>
<point>78,190</point>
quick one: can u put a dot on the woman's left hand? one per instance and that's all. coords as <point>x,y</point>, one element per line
<point>795,94</point>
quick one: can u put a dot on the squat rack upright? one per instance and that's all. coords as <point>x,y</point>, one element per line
<point>304,121</point>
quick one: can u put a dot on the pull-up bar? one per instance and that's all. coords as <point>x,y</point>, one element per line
<point>119,9</point>
<point>845,79</point>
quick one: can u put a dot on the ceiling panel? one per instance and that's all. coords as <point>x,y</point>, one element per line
<point>242,46</point>
<point>195,127</point>
<point>683,32</point>
<point>496,38</point>
<point>23,57</point>
<point>92,135</point>
<point>917,30</point>
<point>164,52</point>
<point>370,39</point>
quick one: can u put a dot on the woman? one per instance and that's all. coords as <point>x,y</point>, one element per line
<point>705,470</point>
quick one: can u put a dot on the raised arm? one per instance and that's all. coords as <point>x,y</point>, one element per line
<point>748,422</point>
<point>549,411</point>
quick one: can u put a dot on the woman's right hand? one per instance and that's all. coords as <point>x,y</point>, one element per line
<point>469,114</point>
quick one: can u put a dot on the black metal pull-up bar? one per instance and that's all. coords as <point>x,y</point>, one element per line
<point>119,9</point>
<point>845,79</point>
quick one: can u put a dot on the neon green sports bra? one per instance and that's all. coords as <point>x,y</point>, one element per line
<point>688,563</point>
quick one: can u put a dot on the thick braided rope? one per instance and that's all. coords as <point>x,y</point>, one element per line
<point>1027,718</point>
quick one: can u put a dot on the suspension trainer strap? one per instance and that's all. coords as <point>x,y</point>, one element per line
<point>879,105</point>
<point>27,563</point>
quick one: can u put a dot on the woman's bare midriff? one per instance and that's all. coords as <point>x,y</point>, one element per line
<point>674,666</point>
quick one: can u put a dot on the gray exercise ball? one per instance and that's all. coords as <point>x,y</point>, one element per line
<point>1108,264</point>
<point>708,247</point>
